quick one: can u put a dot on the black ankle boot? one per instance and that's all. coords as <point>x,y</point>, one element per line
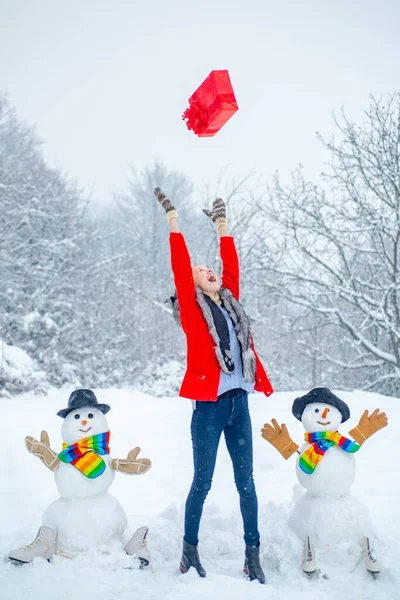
<point>252,566</point>
<point>190,558</point>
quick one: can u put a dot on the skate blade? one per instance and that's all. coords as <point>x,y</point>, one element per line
<point>315,574</point>
<point>311,574</point>
<point>16,561</point>
<point>143,563</point>
<point>374,574</point>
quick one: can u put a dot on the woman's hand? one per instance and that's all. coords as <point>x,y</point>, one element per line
<point>218,216</point>
<point>169,208</point>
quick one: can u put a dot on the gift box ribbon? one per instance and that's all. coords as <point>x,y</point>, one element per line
<point>197,117</point>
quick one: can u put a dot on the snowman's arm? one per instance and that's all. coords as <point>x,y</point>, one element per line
<point>278,436</point>
<point>43,451</point>
<point>368,425</point>
<point>131,465</point>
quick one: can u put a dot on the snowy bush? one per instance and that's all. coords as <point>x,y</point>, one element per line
<point>162,380</point>
<point>18,372</point>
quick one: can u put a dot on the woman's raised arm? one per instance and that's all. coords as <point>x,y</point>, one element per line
<point>180,258</point>
<point>229,257</point>
<point>170,210</point>
<point>218,217</point>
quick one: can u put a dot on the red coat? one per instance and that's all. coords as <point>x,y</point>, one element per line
<point>202,375</point>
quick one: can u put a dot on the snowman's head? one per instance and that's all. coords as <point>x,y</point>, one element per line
<point>82,423</point>
<point>321,417</point>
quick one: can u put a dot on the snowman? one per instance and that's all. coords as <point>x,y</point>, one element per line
<point>86,515</point>
<point>326,469</point>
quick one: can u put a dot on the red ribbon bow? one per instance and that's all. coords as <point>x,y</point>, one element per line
<point>197,117</point>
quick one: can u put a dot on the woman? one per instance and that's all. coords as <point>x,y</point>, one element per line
<point>222,368</point>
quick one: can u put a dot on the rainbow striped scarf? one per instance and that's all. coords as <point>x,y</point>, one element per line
<point>84,454</point>
<point>321,442</point>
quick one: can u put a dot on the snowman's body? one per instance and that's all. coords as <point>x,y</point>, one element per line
<point>72,484</point>
<point>326,511</point>
<point>85,523</point>
<point>334,476</point>
<point>85,515</point>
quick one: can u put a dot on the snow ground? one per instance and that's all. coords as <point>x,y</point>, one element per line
<point>161,427</point>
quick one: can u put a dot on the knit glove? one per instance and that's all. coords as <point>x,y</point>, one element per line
<point>166,204</point>
<point>43,451</point>
<point>368,425</point>
<point>131,465</point>
<point>279,437</point>
<point>218,213</point>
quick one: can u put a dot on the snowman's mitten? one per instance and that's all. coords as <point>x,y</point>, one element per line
<point>218,213</point>
<point>279,437</point>
<point>43,451</point>
<point>368,425</point>
<point>131,465</point>
<point>166,204</point>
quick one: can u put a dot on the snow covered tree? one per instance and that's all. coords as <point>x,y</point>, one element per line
<point>333,249</point>
<point>133,278</point>
<point>41,228</point>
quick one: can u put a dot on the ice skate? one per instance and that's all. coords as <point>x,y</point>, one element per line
<point>370,563</point>
<point>137,545</point>
<point>44,546</point>
<point>309,564</point>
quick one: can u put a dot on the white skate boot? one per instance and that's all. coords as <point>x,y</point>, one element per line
<point>137,545</point>
<point>370,563</point>
<point>309,564</point>
<point>44,545</point>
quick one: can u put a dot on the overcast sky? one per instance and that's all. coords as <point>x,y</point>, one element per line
<point>106,81</point>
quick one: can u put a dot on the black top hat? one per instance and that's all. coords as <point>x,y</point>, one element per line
<point>81,399</point>
<point>323,395</point>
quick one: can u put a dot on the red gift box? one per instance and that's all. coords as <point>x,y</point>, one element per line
<point>211,105</point>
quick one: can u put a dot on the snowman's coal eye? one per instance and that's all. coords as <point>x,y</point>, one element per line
<point>317,410</point>
<point>77,417</point>
<point>90,416</point>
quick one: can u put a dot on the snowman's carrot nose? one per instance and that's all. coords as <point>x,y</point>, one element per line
<point>84,422</point>
<point>326,410</point>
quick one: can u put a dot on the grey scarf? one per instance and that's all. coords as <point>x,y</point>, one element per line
<point>241,324</point>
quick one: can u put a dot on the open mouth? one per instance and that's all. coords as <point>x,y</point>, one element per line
<point>212,278</point>
<point>85,430</point>
<point>321,423</point>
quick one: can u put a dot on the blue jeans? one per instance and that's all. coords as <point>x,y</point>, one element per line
<point>231,416</point>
